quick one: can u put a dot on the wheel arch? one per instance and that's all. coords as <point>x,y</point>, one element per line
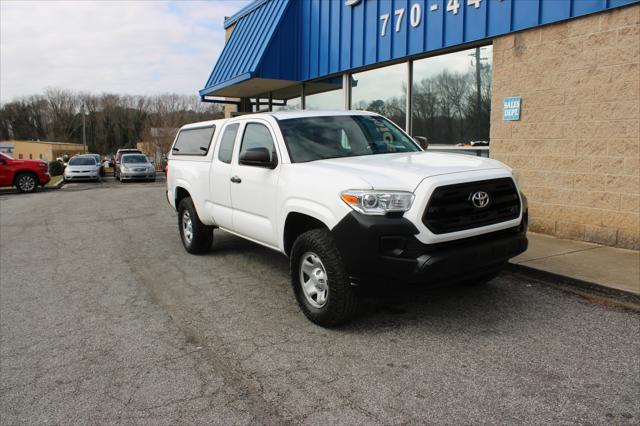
<point>295,225</point>
<point>28,172</point>
<point>180,194</point>
<point>25,172</point>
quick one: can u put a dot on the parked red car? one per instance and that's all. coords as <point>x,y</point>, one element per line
<point>26,175</point>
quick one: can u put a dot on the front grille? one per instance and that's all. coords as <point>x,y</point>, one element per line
<point>450,208</point>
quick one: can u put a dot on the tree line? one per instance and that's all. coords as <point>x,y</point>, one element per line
<point>448,108</point>
<point>111,121</point>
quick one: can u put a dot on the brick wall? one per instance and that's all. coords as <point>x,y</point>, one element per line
<point>576,148</point>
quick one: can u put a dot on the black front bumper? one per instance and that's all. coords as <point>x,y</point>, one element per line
<point>378,248</point>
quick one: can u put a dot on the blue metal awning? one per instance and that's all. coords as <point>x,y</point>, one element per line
<point>243,53</point>
<point>277,44</point>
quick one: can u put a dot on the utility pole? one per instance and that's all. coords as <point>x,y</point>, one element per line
<point>478,60</point>
<point>84,132</point>
<point>478,93</point>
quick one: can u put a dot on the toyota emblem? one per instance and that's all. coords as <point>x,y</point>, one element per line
<point>480,199</point>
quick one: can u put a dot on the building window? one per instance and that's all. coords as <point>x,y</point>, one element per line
<point>19,156</point>
<point>290,96</point>
<point>41,156</point>
<point>382,90</point>
<point>30,156</point>
<point>324,94</point>
<point>451,99</point>
<point>292,104</point>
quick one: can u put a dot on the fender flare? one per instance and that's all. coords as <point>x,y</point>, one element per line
<point>309,208</point>
<point>181,183</point>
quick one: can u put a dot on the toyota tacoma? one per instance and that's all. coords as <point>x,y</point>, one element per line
<point>350,198</point>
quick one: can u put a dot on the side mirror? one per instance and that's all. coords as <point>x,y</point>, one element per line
<point>422,141</point>
<point>259,157</point>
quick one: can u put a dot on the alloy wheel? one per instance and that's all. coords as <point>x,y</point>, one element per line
<point>26,183</point>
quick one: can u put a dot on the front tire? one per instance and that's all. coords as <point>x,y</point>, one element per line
<point>320,280</point>
<point>26,182</point>
<point>196,236</point>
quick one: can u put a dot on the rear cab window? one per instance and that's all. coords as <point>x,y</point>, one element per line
<point>193,141</point>
<point>227,142</point>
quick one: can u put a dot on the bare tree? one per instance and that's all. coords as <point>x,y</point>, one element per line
<point>113,121</point>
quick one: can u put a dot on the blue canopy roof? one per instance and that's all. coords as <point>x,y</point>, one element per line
<point>243,53</point>
<point>276,44</point>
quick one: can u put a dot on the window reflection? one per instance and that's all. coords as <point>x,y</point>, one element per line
<point>452,97</point>
<point>290,96</point>
<point>291,105</point>
<point>383,91</point>
<point>324,94</point>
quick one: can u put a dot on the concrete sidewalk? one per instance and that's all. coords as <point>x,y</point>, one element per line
<point>604,266</point>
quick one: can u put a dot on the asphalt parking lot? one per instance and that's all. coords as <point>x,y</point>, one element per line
<point>104,318</point>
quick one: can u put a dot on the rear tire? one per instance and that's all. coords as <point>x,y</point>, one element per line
<point>320,280</point>
<point>196,236</point>
<point>26,182</point>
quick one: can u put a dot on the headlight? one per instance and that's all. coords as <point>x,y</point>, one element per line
<point>377,202</point>
<point>124,169</point>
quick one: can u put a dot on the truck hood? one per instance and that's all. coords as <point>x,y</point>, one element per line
<point>405,171</point>
<point>32,163</point>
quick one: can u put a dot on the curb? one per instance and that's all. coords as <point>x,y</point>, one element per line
<point>584,288</point>
<point>59,184</point>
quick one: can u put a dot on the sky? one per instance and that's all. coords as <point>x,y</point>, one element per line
<point>125,47</point>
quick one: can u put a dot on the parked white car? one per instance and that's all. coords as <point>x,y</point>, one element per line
<point>349,197</point>
<point>82,167</point>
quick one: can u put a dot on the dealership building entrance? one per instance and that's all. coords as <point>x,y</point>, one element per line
<point>549,87</point>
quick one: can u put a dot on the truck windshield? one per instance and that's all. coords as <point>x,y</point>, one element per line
<point>318,138</point>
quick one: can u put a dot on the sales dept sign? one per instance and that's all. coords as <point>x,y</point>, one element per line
<point>511,109</point>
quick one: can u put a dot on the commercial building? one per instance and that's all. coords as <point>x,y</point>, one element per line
<point>42,150</point>
<point>553,85</point>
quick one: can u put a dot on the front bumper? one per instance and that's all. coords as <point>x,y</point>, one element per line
<point>383,248</point>
<point>44,178</point>
<point>138,175</point>
<point>82,176</point>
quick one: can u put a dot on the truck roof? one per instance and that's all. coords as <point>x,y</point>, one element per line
<point>280,115</point>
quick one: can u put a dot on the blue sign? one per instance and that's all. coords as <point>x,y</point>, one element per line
<point>511,109</point>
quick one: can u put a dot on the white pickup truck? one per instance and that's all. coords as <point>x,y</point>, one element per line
<point>349,197</point>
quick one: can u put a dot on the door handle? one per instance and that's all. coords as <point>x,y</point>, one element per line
<point>236,179</point>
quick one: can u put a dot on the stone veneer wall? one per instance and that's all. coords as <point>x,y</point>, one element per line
<point>576,148</point>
